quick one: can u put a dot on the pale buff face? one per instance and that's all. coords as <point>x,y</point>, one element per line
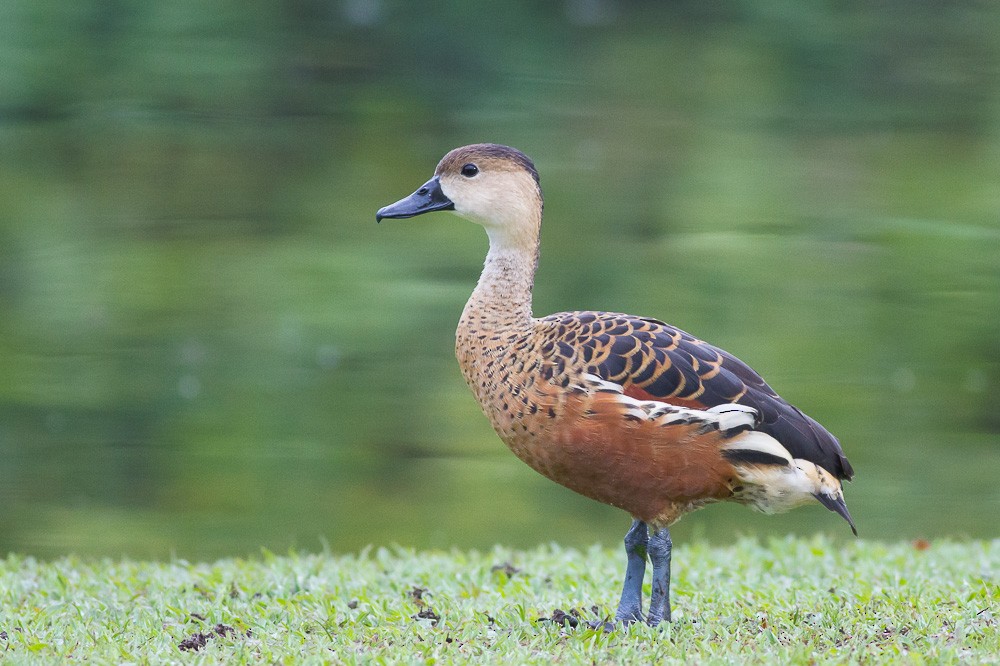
<point>495,187</point>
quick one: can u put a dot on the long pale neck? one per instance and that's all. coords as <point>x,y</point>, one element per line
<point>502,299</point>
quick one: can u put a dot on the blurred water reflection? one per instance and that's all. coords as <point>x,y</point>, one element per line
<point>207,346</point>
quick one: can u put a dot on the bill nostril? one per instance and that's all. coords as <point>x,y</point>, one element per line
<point>422,191</point>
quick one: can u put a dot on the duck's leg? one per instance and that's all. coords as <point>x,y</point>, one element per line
<point>659,554</point>
<point>630,607</point>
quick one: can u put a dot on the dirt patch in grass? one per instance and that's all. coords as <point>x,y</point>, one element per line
<point>575,616</point>
<point>505,568</point>
<point>198,640</point>
<point>559,616</point>
<point>417,594</point>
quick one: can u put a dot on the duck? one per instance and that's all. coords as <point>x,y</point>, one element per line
<point>626,410</point>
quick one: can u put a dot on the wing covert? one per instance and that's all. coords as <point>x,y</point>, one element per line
<point>653,360</point>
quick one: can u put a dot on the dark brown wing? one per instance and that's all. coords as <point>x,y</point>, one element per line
<point>652,360</point>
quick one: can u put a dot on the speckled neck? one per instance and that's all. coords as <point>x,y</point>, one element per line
<point>502,299</point>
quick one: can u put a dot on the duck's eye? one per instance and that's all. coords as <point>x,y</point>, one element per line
<point>470,170</point>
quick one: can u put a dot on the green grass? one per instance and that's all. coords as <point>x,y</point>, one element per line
<point>783,601</point>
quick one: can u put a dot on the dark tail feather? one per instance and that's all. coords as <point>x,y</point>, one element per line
<point>837,505</point>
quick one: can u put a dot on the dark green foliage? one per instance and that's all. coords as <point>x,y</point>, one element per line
<point>207,345</point>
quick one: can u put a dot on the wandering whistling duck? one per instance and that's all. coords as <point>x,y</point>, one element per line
<point>626,410</point>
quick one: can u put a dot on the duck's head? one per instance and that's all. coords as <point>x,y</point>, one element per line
<point>495,186</point>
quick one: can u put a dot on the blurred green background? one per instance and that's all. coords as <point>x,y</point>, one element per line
<point>207,346</point>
